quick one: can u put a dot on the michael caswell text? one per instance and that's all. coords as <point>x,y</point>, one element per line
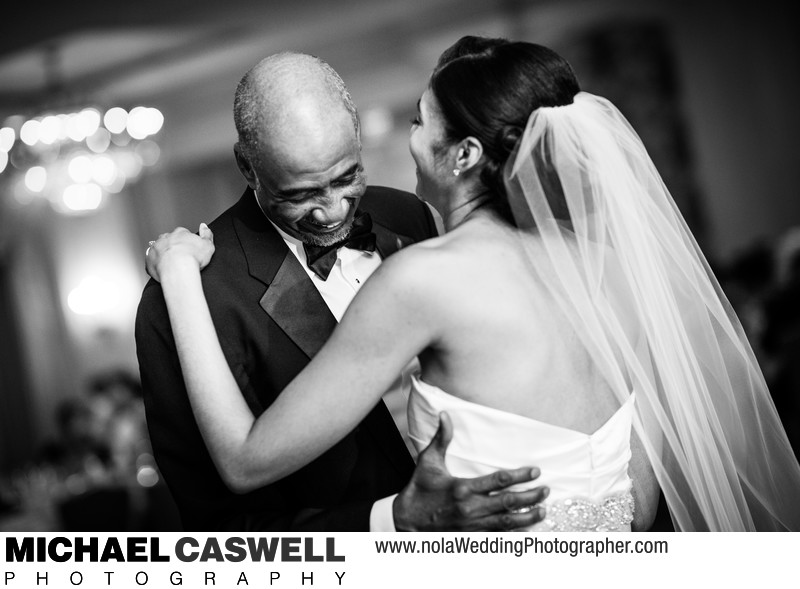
<point>186,549</point>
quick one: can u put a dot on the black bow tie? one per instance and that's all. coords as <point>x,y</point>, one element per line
<point>321,259</point>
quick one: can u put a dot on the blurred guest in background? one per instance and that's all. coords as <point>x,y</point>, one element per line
<point>763,284</point>
<point>115,399</point>
<point>77,446</point>
<point>97,472</point>
<point>781,336</point>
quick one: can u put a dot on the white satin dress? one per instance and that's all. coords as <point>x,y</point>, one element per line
<point>590,489</point>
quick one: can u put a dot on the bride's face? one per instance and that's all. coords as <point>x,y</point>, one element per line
<point>429,148</point>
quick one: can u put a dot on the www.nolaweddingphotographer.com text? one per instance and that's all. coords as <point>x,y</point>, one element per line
<point>528,545</point>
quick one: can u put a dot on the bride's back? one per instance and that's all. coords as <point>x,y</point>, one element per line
<point>504,342</point>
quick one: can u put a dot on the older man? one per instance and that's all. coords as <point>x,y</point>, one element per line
<point>290,255</point>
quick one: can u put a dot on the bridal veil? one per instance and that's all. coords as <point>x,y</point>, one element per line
<point>615,251</point>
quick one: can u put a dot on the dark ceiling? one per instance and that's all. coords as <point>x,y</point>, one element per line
<point>185,57</point>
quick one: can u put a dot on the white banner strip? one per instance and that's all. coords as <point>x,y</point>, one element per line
<point>362,560</point>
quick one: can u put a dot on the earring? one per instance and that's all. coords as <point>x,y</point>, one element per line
<point>456,172</point>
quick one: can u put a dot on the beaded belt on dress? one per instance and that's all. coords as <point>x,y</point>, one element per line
<point>584,515</point>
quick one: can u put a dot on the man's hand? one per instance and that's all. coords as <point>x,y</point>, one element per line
<point>436,501</point>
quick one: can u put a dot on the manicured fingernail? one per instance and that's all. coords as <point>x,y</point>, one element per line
<point>545,492</point>
<point>535,472</point>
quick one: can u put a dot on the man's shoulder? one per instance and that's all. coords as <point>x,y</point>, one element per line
<point>379,198</point>
<point>400,211</point>
<point>226,260</point>
<point>224,221</point>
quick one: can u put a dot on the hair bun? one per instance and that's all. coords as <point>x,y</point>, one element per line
<point>508,137</point>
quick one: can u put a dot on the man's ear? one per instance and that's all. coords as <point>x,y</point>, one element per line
<point>245,168</point>
<point>468,154</point>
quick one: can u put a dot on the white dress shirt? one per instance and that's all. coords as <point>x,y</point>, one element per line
<point>351,270</point>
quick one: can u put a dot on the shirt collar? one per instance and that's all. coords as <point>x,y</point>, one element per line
<point>294,244</point>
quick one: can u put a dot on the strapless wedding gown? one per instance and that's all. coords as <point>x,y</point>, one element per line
<point>590,489</point>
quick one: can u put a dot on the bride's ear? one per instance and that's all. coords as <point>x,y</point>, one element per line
<point>468,154</point>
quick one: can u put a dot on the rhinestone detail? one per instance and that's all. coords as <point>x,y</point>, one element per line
<point>585,515</point>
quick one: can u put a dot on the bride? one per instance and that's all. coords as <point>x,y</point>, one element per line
<point>566,319</point>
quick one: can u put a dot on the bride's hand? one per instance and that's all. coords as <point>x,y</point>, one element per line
<point>178,247</point>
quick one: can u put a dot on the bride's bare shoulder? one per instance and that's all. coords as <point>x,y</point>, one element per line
<point>427,271</point>
<point>423,259</point>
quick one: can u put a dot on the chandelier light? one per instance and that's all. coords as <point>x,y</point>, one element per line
<point>76,159</point>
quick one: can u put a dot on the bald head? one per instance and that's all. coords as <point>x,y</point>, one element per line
<point>289,98</point>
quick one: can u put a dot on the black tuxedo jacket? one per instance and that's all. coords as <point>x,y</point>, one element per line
<point>271,320</point>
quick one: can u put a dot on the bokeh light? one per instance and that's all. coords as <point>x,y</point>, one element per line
<point>147,476</point>
<point>99,141</point>
<point>49,130</point>
<point>80,169</point>
<point>74,127</point>
<point>104,171</point>
<point>93,295</point>
<point>7,137</point>
<point>36,179</point>
<point>149,151</point>
<point>89,121</point>
<point>116,119</point>
<point>75,158</point>
<point>82,197</point>
<point>29,133</point>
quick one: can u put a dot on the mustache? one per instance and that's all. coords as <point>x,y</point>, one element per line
<point>326,239</point>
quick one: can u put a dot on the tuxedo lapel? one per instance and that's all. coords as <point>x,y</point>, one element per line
<point>290,298</point>
<point>387,241</point>
<point>297,307</point>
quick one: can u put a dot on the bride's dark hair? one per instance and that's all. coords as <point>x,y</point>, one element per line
<point>487,88</point>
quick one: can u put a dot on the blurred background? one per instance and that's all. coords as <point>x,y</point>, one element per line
<point>116,125</point>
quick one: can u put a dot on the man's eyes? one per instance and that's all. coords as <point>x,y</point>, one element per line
<point>293,198</point>
<point>345,181</point>
<point>299,197</point>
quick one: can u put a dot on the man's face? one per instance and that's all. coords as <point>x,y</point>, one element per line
<point>310,186</point>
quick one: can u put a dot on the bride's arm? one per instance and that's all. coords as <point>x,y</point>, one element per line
<point>387,324</point>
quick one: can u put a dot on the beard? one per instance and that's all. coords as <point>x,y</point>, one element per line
<point>326,239</point>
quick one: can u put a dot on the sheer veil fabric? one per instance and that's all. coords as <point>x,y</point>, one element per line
<point>606,237</point>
